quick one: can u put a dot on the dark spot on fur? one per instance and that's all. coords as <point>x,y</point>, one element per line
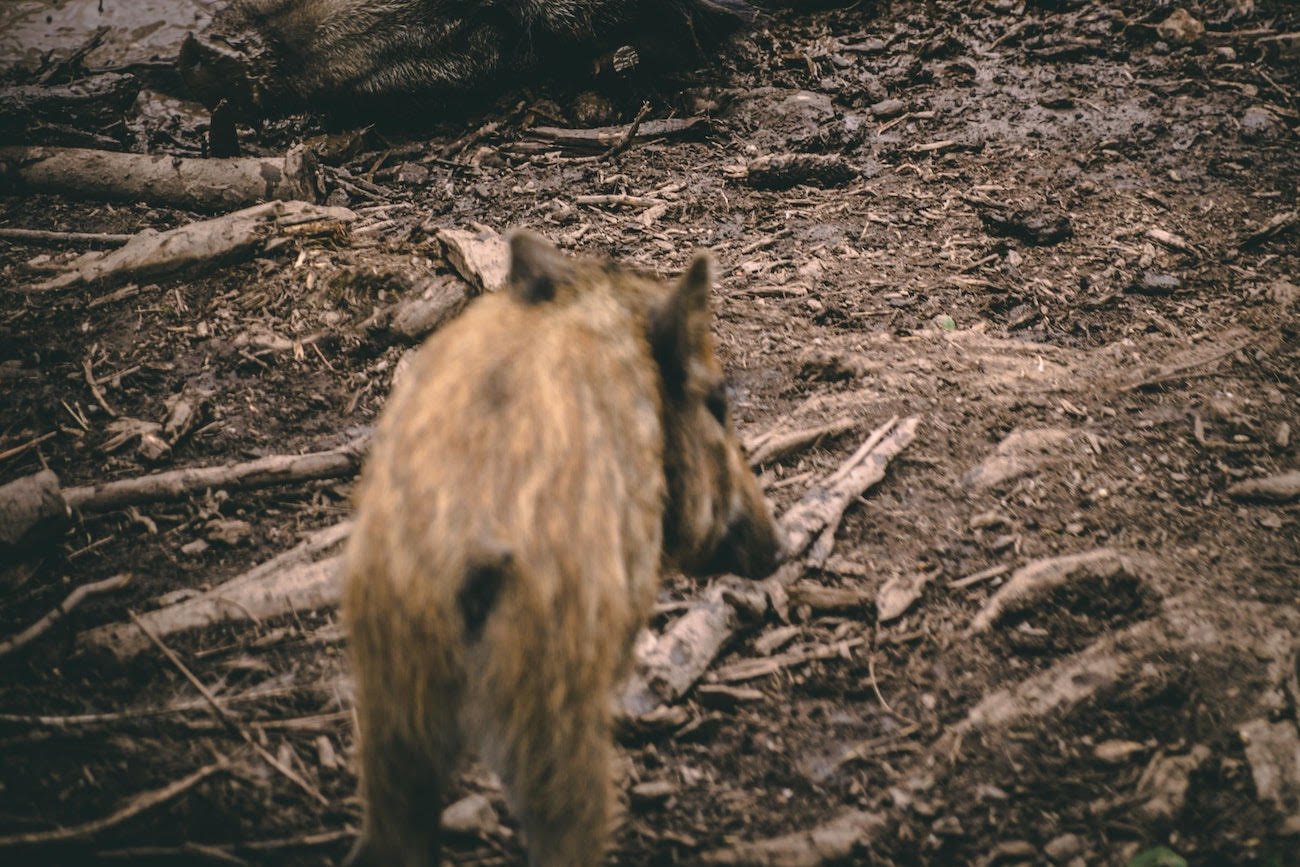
<point>478,596</point>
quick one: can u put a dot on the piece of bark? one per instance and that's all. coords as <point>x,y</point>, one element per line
<point>670,665</point>
<point>481,257</point>
<point>1282,488</point>
<point>1030,583</point>
<point>605,137</point>
<point>89,103</point>
<point>261,473</point>
<point>304,578</point>
<point>832,842</point>
<point>819,597</point>
<point>197,247</point>
<point>422,313</point>
<point>896,596</point>
<point>783,171</point>
<point>177,182</point>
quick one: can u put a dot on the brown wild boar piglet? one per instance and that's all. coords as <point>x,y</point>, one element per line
<point>539,458</point>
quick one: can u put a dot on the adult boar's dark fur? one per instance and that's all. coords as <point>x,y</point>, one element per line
<point>369,57</point>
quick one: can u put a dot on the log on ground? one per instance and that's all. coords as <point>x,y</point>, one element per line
<point>177,182</point>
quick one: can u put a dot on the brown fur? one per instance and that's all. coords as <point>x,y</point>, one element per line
<point>361,56</point>
<point>525,476</point>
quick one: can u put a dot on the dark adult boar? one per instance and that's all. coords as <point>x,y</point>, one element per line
<point>372,56</point>
<point>540,457</point>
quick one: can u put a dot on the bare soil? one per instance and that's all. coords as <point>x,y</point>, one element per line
<point>1050,231</point>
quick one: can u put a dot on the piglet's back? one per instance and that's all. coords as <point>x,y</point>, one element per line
<point>524,431</point>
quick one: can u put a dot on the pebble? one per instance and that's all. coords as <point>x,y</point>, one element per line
<point>472,816</point>
<point>1063,848</point>
<point>888,108</point>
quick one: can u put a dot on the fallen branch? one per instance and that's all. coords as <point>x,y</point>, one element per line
<point>305,577</point>
<point>52,238</point>
<point>225,715</point>
<point>75,598</point>
<point>137,805</point>
<point>605,138</point>
<point>670,665</point>
<point>177,484</point>
<point>178,182</point>
<point>199,246</point>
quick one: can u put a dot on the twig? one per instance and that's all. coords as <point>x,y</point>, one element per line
<point>89,371</point>
<point>31,443</point>
<point>75,598</point>
<point>620,199</point>
<point>92,719</point>
<point>46,236</point>
<point>137,805</point>
<point>226,716</point>
<point>1181,370</point>
<point>626,141</point>
<point>221,851</point>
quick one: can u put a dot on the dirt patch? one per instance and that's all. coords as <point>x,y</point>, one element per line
<point>1157,336</point>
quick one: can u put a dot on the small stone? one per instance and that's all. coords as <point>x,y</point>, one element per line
<point>1063,848</point>
<point>1226,54</point>
<point>1154,283</point>
<point>325,754</point>
<point>195,548</point>
<point>471,816</point>
<point>228,531</point>
<point>948,826</point>
<point>411,173</point>
<point>1181,28</point>
<point>1282,436</point>
<point>1259,124</point>
<point>1114,752</point>
<point>652,792</point>
<point>1011,851</point>
<point>887,108</point>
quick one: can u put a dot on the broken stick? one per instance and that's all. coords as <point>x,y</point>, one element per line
<point>198,246</point>
<point>137,805</point>
<point>75,598</point>
<point>176,484</point>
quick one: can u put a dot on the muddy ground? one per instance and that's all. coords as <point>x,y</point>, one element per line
<point>1049,254</point>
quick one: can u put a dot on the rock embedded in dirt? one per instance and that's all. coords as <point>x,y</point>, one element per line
<point>1061,849</point>
<point>471,816</point>
<point>1273,750</point>
<point>1181,28</point>
<point>1259,124</point>
<point>887,108</point>
<point>28,506</point>
<point>1155,283</point>
<point>482,257</point>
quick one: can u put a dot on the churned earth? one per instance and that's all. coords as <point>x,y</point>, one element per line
<point>1062,235</point>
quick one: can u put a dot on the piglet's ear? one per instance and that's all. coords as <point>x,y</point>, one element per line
<point>536,267</point>
<point>679,329</point>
